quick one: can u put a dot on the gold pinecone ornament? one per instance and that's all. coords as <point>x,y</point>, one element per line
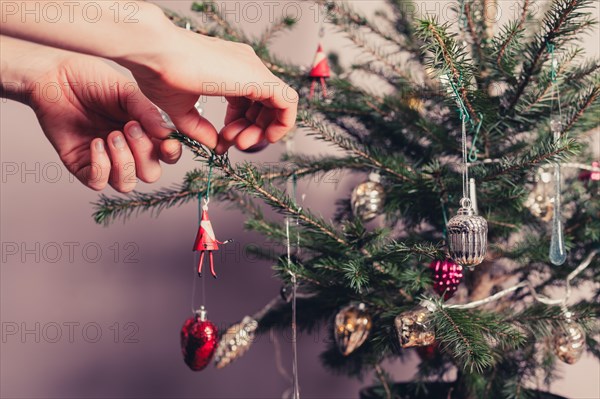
<point>569,341</point>
<point>414,328</point>
<point>235,342</point>
<point>352,327</point>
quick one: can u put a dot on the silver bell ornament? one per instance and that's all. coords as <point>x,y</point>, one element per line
<point>368,198</point>
<point>467,236</point>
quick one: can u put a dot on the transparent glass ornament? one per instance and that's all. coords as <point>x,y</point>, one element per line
<point>558,252</point>
<point>540,201</point>
<point>556,126</point>
<point>368,198</point>
<point>352,327</point>
<point>467,236</point>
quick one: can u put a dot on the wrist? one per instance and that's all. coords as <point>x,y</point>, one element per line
<point>23,66</point>
<point>150,39</point>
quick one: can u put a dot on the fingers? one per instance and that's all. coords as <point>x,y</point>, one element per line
<point>141,109</point>
<point>229,133</point>
<point>251,136</point>
<point>170,151</point>
<point>95,175</point>
<point>144,153</point>
<point>284,100</point>
<point>195,126</point>
<point>236,108</point>
<point>286,111</point>
<point>255,134</point>
<point>123,170</point>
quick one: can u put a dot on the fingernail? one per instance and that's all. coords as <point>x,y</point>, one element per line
<point>119,142</point>
<point>135,132</point>
<point>99,146</point>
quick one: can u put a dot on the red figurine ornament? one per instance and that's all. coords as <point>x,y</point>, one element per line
<point>199,339</point>
<point>447,276</point>
<point>320,70</point>
<point>206,241</point>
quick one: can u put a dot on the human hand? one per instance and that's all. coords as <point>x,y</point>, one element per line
<point>85,120</point>
<point>261,107</point>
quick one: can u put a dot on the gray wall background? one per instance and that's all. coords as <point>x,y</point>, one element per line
<point>131,283</point>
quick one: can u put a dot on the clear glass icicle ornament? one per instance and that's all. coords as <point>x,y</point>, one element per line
<point>558,252</point>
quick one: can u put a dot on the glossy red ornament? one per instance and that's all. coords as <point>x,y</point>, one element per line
<point>199,339</point>
<point>587,175</point>
<point>447,276</point>
<point>319,72</point>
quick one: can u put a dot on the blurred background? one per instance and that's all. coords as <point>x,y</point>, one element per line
<point>95,312</point>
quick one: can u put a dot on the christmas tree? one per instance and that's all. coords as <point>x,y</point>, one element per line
<point>478,120</point>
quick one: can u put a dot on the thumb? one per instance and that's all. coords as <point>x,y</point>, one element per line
<point>196,127</point>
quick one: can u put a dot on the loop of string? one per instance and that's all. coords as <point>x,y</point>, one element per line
<point>473,154</point>
<point>323,16</point>
<point>465,177</point>
<point>464,117</point>
<point>445,215</point>
<point>209,179</point>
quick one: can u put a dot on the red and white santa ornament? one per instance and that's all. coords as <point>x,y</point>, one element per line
<point>319,72</point>
<point>206,241</point>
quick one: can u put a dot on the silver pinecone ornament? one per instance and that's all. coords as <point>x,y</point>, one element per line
<point>467,236</point>
<point>368,198</point>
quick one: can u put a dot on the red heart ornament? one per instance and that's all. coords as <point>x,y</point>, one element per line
<point>198,341</point>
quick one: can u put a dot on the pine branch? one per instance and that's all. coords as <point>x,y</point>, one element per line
<point>327,134</point>
<point>562,22</point>
<point>582,105</point>
<point>247,179</point>
<point>469,337</point>
<point>274,29</point>
<point>448,57</point>
<point>210,9</point>
<point>342,15</point>
<point>513,33</point>
<point>545,152</point>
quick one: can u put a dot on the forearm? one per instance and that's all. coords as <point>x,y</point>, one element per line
<point>123,31</point>
<point>22,64</point>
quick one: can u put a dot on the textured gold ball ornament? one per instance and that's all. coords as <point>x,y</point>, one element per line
<point>414,328</point>
<point>467,236</point>
<point>235,342</point>
<point>368,198</point>
<point>569,342</point>
<point>540,199</point>
<point>352,327</point>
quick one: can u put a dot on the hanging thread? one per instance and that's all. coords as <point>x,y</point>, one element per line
<point>291,188</point>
